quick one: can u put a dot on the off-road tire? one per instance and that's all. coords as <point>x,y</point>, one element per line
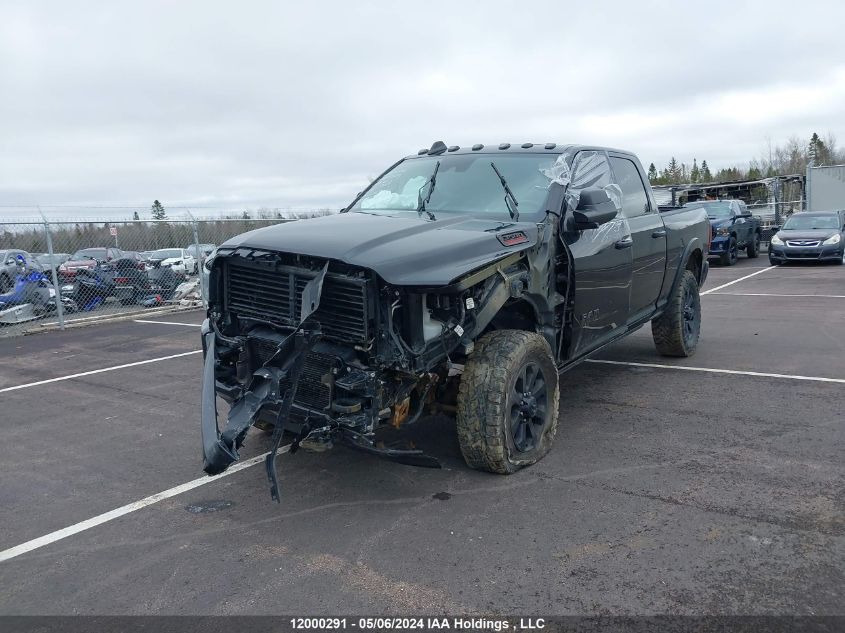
<point>753,248</point>
<point>729,257</point>
<point>486,400</point>
<point>670,330</point>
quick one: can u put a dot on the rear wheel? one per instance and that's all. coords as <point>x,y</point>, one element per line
<point>753,248</point>
<point>508,402</point>
<point>677,330</point>
<point>729,257</point>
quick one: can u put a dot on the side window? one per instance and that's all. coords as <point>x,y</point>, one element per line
<point>634,196</point>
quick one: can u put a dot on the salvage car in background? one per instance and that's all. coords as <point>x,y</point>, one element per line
<point>466,277</point>
<point>179,259</point>
<point>120,278</point>
<point>49,263</point>
<point>200,254</point>
<point>810,236</point>
<point>86,259</point>
<point>734,229</point>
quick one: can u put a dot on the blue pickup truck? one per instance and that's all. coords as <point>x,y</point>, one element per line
<point>732,227</point>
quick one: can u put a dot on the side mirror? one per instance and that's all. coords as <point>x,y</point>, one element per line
<point>594,209</point>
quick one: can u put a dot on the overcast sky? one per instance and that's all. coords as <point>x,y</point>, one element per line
<point>297,104</point>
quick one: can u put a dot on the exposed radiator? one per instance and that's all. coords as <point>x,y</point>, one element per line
<point>274,294</point>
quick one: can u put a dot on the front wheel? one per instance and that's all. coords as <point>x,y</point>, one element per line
<point>677,329</point>
<point>729,257</point>
<point>753,248</point>
<point>508,402</point>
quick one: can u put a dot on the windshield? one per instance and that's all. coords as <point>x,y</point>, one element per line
<point>91,253</point>
<point>807,222</point>
<point>714,208</point>
<point>167,253</point>
<point>466,183</point>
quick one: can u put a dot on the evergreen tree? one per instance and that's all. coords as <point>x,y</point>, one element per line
<point>706,176</point>
<point>245,215</point>
<point>673,172</point>
<point>652,173</point>
<point>819,153</point>
<point>695,172</point>
<point>158,211</point>
<point>135,216</point>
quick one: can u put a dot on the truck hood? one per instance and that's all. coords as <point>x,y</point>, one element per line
<point>807,234</point>
<point>402,249</point>
<point>717,222</point>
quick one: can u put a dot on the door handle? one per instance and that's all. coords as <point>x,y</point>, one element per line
<point>659,233</point>
<point>625,242</point>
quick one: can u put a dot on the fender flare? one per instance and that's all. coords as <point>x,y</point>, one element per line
<point>684,260</point>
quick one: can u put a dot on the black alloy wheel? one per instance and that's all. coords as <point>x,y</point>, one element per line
<point>528,401</point>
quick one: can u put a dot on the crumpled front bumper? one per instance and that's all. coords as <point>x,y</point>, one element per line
<point>220,448</point>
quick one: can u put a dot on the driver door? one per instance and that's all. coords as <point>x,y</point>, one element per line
<point>602,263</point>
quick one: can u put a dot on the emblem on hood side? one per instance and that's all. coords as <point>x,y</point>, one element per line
<point>512,239</point>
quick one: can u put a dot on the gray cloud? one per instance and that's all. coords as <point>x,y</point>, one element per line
<point>276,104</point>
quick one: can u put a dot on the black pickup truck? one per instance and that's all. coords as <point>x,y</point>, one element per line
<point>462,279</point>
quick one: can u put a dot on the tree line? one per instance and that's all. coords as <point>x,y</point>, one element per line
<point>789,158</point>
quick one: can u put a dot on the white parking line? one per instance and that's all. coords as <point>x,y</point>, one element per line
<point>98,371</point>
<point>736,281</point>
<point>768,294</point>
<point>111,515</point>
<point>168,322</point>
<point>710,370</point>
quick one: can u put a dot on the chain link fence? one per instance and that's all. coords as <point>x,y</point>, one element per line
<point>773,214</point>
<point>56,273</point>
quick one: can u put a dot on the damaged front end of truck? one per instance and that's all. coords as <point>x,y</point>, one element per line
<point>313,348</point>
<point>327,330</point>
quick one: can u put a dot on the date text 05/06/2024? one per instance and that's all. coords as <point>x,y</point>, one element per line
<point>466,625</point>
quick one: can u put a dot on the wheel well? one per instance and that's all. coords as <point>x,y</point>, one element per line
<point>694,264</point>
<point>515,315</point>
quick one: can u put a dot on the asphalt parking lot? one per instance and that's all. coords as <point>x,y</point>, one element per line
<point>719,489</point>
